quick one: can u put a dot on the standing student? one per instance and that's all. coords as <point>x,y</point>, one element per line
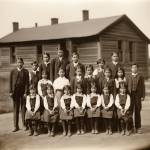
<point>51,113</point>
<point>33,112</point>
<point>107,109</point>
<point>58,62</point>
<point>66,112</point>
<point>122,102</point>
<point>79,101</point>
<point>58,85</point>
<point>70,69</point>
<point>75,80</point>
<point>93,111</point>
<point>136,89</point>
<point>18,89</point>
<point>114,65</point>
<point>45,66</point>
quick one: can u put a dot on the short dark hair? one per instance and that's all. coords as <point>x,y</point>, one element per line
<point>79,85</point>
<point>134,64</point>
<point>93,84</point>
<point>120,69</point>
<point>107,69</point>
<point>20,59</point>
<point>75,53</point>
<point>50,86</point>
<point>34,63</point>
<point>60,48</point>
<point>101,60</point>
<point>89,66</point>
<point>46,54</point>
<point>78,67</point>
<point>32,87</point>
<point>114,53</point>
<point>61,68</point>
<point>44,72</point>
<point>67,87</point>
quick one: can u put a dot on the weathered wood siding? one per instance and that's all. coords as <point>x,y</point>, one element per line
<point>124,32</point>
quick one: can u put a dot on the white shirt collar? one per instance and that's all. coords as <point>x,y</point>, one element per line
<point>107,78</point>
<point>92,94</point>
<point>34,71</point>
<point>122,94</point>
<point>134,74</point>
<point>78,77</point>
<point>106,94</point>
<point>100,70</point>
<point>61,77</point>
<point>51,95</point>
<point>67,95</point>
<point>60,58</point>
<point>115,63</point>
<point>44,79</point>
<point>79,93</point>
<point>19,69</point>
<point>46,63</point>
<point>75,64</point>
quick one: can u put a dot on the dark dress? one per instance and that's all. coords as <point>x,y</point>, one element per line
<point>107,113</point>
<point>79,100</point>
<point>34,78</point>
<point>28,115</point>
<point>93,101</point>
<point>128,114</point>
<point>63,115</point>
<point>47,117</point>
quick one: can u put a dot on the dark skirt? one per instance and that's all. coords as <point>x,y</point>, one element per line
<point>127,117</point>
<point>96,114</point>
<point>28,116</point>
<point>115,115</point>
<point>47,117</point>
<point>41,106</point>
<point>107,113</point>
<point>63,116</point>
<point>77,113</point>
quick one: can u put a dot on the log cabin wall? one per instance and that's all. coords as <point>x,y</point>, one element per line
<point>132,48</point>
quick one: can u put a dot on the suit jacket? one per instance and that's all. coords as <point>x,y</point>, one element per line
<point>43,67</point>
<point>113,68</point>
<point>70,70</point>
<point>140,85</point>
<point>55,65</point>
<point>13,79</point>
<point>73,84</point>
<point>111,85</point>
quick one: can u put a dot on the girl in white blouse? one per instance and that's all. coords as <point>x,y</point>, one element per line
<point>32,113</point>
<point>79,101</point>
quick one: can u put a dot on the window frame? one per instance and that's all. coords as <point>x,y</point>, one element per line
<point>39,55</point>
<point>11,55</point>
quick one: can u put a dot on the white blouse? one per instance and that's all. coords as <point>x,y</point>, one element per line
<point>110,102</point>
<point>37,103</point>
<point>96,71</point>
<point>75,103</point>
<point>46,104</point>
<point>127,105</point>
<point>90,96</point>
<point>62,102</point>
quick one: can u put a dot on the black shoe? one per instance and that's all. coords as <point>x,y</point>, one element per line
<point>15,129</point>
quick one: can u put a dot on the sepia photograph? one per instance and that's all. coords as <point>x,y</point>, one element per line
<point>74,75</point>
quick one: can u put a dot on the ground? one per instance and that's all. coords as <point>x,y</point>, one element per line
<point>21,141</point>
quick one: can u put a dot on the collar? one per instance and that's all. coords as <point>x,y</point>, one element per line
<point>93,94</point>
<point>100,69</point>
<point>67,95</point>
<point>34,71</point>
<point>115,63</point>
<point>46,63</point>
<point>19,69</point>
<point>79,93</point>
<point>60,58</point>
<point>32,94</point>
<point>75,64</point>
<point>122,94</point>
<point>134,74</point>
<point>44,79</point>
<point>78,77</point>
<point>61,77</point>
<point>106,94</point>
<point>107,78</point>
<point>89,76</point>
<point>51,95</point>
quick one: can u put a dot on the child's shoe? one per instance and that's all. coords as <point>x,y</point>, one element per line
<point>52,133</point>
<point>78,132</point>
<point>107,132</point>
<point>127,133</point>
<point>139,131</point>
<point>82,131</point>
<point>92,131</point>
<point>35,133</point>
<point>122,132</point>
<point>69,134</point>
<point>30,132</point>
<point>96,131</point>
<point>110,132</point>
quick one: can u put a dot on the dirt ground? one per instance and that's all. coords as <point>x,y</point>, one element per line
<point>21,141</point>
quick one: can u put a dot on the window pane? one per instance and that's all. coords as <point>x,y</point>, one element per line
<point>120,51</point>
<point>130,51</point>
<point>13,55</point>
<point>39,48</point>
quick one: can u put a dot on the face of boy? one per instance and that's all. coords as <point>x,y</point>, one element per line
<point>61,73</point>
<point>34,67</point>
<point>89,71</point>
<point>101,64</point>
<point>122,91</point>
<point>114,57</point>
<point>60,53</point>
<point>79,90</point>
<point>120,73</point>
<point>75,58</point>
<point>49,91</point>
<point>93,90</point>
<point>79,72</point>
<point>106,91</point>
<point>45,58</point>
<point>134,69</point>
<point>19,64</point>
<point>44,76</point>
<point>67,91</point>
<point>32,91</point>
<point>107,73</point>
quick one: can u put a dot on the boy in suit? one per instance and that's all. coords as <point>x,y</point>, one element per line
<point>136,89</point>
<point>70,69</point>
<point>56,63</point>
<point>114,65</point>
<point>18,89</point>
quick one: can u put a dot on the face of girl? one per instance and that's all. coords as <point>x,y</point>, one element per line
<point>75,58</point>
<point>67,91</point>
<point>60,53</point>
<point>61,73</point>
<point>34,67</point>
<point>120,73</point>
<point>45,58</point>
<point>32,91</point>
<point>107,73</point>
<point>114,57</point>
<point>49,91</point>
<point>106,91</point>
<point>79,90</point>
<point>89,71</point>
<point>123,91</point>
<point>79,72</point>
<point>93,89</point>
<point>134,69</point>
<point>101,64</point>
<point>44,76</point>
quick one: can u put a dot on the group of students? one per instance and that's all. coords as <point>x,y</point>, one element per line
<point>72,92</point>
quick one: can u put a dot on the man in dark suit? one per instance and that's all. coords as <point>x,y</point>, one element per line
<point>136,90</point>
<point>56,63</point>
<point>18,89</point>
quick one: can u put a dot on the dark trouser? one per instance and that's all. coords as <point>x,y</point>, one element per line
<point>17,99</point>
<point>108,123</point>
<point>136,106</point>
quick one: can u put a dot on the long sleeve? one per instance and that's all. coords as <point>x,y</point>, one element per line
<point>52,70</point>
<point>127,102</point>
<point>72,104</point>
<point>84,102</point>
<point>143,87</point>
<point>10,83</point>
<point>67,71</point>
<point>27,83</point>
<point>62,103</point>
<point>88,101</point>
<point>115,90</point>
<point>98,101</point>
<point>40,72</point>
<point>111,101</point>
<point>45,103</point>
<point>39,89</point>
<point>72,85</point>
<point>102,98</point>
<point>55,102</point>
<point>37,104</point>
<point>74,101</point>
<point>28,106</point>
<point>95,72</point>
<point>29,77</point>
<point>117,102</point>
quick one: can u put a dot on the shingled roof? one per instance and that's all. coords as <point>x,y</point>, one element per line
<point>66,30</point>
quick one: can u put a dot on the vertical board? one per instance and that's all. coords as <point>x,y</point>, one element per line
<point>0,57</point>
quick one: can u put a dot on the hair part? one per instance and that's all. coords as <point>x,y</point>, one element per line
<point>114,53</point>
<point>101,60</point>
<point>90,66</point>
<point>20,59</point>
<point>134,64</point>
<point>78,67</point>
<point>47,54</point>
<point>108,69</point>
<point>67,87</point>
<point>34,63</point>
<point>61,68</point>
<point>32,87</point>
<point>50,86</point>
<point>75,53</point>
<point>120,69</point>
<point>44,72</point>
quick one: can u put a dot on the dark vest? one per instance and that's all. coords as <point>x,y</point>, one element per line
<point>44,88</point>
<point>67,103</point>
<point>20,78</point>
<point>34,78</point>
<point>93,100</point>
<point>134,83</point>
<point>122,100</point>
<point>79,100</point>
<point>32,103</point>
<point>106,99</point>
<point>50,102</point>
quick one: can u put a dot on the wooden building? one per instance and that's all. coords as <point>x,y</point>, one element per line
<point>92,38</point>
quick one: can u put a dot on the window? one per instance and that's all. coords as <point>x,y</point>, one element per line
<point>39,53</point>
<point>120,51</point>
<point>74,49</point>
<point>131,52</point>
<point>13,55</point>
